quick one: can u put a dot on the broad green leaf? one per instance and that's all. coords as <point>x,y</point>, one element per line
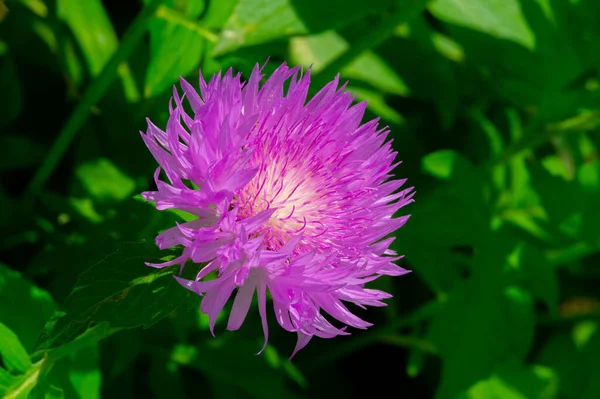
<point>104,181</point>
<point>118,290</point>
<point>512,380</point>
<point>499,18</point>
<point>37,304</point>
<point>176,47</point>
<point>14,356</point>
<point>258,21</point>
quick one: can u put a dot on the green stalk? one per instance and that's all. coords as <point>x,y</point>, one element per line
<point>92,95</point>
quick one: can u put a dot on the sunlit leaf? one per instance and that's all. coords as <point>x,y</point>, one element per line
<point>258,21</point>
<point>104,181</point>
<point>92,29</point>
<point>499,18</point>
<point>514,381</point>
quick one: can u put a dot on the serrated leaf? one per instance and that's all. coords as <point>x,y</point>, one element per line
<point>119,290</point>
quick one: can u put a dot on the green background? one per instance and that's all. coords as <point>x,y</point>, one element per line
<point>494,107</point>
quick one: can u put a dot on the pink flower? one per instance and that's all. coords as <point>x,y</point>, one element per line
<point>293,197</point>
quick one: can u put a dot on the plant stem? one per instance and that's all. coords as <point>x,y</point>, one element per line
<point>92,95</point>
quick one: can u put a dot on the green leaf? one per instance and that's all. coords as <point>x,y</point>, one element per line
<point>176,47</point>
<point>321,49</point>
<point>512,380</point>
<point>37,304</point>
<point>104,181</point>
<point>119,291</point>
<point>474,336</point>
<point>13,354</point>
<point>92,28</point>
<point>21,385</point>
<point>444,164</point>
<point>499,18</point>
<point>73,374</point>
<point>84,372</point>
<point>217,13</point>
<point>258,21</point>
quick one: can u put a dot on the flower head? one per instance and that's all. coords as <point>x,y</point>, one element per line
<point>293,197</point>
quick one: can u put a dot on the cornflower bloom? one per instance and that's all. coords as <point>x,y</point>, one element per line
<point>293,198</point>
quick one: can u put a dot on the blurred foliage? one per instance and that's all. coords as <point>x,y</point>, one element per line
<point>494,107</point>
